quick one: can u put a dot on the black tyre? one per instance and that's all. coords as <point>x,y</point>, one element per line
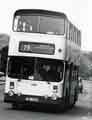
<point>16,106</point>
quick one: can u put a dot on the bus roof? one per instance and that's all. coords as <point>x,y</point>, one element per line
<point>39,12</point>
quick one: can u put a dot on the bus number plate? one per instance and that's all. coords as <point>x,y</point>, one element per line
<point>32,99</point>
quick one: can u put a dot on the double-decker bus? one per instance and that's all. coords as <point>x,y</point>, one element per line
<point>43,59</point>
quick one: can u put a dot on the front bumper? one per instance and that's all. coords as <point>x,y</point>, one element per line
<point>23,99</point>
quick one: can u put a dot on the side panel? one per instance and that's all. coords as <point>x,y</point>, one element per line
<point>71,84</point>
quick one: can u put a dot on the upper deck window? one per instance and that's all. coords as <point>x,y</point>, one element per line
<point>39,24</point>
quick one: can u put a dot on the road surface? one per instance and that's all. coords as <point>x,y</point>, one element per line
<point>82,110</point>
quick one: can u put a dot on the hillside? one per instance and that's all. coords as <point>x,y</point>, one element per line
<point>86,64</point>
<point>4,39</point>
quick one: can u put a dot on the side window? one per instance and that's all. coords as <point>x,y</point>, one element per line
<point>74,34</point>
<point>73,77</point>
<point>67,30</point>
<point>70,32</point>
<point>78,38</point>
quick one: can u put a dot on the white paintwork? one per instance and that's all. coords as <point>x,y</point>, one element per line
<point>29,87</point>
<point>59,42</point>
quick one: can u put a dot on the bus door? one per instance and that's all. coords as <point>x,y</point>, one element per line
<point>72,84</point>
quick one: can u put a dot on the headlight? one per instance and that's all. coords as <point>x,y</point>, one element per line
<point>46,96</point>
<point>55,88</point>
<point>11,93</point>
<point>54,97</point>
<point>19,94</point>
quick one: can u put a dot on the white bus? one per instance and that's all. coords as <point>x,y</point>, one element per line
<point>43,59</point>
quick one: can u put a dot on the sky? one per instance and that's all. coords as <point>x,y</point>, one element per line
<point>77,11</point>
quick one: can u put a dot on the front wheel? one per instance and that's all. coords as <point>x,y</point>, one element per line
<point>16,106</point>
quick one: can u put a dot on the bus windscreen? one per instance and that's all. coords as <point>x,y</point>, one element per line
<point>38,69</point>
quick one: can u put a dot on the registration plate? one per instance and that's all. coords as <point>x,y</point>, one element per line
<point>32,99</point>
